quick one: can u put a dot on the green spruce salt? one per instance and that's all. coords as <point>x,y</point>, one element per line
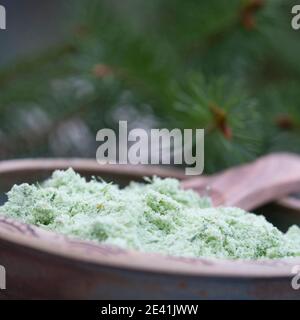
<point>153,217</point>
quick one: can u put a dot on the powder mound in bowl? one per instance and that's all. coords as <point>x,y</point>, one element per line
<point>157,216</point>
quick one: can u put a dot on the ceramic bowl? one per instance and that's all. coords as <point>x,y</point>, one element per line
<point>45,265</point>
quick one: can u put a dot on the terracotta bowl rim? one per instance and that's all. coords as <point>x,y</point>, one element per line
<point>15,233</point>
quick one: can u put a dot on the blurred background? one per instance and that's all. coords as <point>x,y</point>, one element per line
<point>69,68</point>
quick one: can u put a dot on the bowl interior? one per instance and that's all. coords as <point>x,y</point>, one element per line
<point>15,233</point>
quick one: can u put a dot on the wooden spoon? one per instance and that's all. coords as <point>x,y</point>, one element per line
<point>249,186</point>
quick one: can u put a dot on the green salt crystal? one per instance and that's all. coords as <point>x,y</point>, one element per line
<point>157,216</point>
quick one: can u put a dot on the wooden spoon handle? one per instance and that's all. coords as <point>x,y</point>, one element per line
<point>252,185</point>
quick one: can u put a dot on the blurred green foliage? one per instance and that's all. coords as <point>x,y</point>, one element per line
<point>231,67</point>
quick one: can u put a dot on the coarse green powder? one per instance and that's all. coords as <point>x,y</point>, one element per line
<point>157,216</point>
